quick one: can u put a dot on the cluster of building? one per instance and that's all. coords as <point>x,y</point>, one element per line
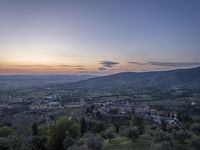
<point>123,110</point>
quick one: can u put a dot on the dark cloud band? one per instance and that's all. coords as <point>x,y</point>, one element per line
<point>174,64</point>
<point>102,68</point>
<point>168,64</point>
<point>108,64</point>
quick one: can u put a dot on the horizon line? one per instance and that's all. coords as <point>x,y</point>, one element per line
<point>100,74</point>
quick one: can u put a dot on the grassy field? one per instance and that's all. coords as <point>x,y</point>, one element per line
<point>178,146</point>
<point>123,143</point>
<point>142,143</point>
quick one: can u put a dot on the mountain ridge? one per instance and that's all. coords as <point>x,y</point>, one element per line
<point>189,78</point>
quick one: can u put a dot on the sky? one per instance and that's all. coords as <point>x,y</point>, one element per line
<point>98,36</point>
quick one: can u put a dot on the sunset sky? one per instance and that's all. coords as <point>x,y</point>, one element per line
<point>98,36</point>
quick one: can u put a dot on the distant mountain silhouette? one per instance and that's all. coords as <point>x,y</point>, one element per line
<point>27,81</point>
<point>181,78</point>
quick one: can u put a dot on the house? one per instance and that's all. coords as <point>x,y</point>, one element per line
<point>141,109</point>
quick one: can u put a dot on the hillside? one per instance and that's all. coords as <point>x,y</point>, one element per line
<point>182,78</point>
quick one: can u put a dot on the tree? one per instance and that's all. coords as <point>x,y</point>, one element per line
<point>5,131</point>
<point>160,136</point>
<point>110,136</point>
<point>4,144</point>
<point>161,140</point>
<point>39,142</point>
<point>98,115</point>
<point>195,142</point>
<point>15,142</point>
<point>56,132</point>
<point>95,143</point>
<point>68,141</point>
<point>153,127</point>
<point>195,128</point>
<point>133,133</point>
<point>6,123</point>
<point>182,135</point>
<point>183,117</point>
<point>166,146</point>
<point>83,126</point>
<point>43,131</point>
<point>172,128</point>
<point>116,125</point>
<point>138,121</point>
<point>34,129</point>
<point>98,127</point>
<point>163,125</point>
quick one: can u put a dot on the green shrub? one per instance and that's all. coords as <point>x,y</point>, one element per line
<point>182,135</point>
<point>5,131</point>
<point>56,132</point>
<point>95,143</point>
<point>98,127</point>
<point>195,128</point>
<point>160,136</point>
<point>195,142</point>
<point>133,133</point>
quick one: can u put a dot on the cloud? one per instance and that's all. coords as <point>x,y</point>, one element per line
<point>137,63</point>
<point>53,66</point>
<point>80,68</point>
<point>108,64</point>
<point>29,66</point>
<point>70,66</point>
<point>175,64</point>
<point>168,64</point>
<point>102,68</point>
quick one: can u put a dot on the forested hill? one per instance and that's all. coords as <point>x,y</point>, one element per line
<point>181,78</point>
